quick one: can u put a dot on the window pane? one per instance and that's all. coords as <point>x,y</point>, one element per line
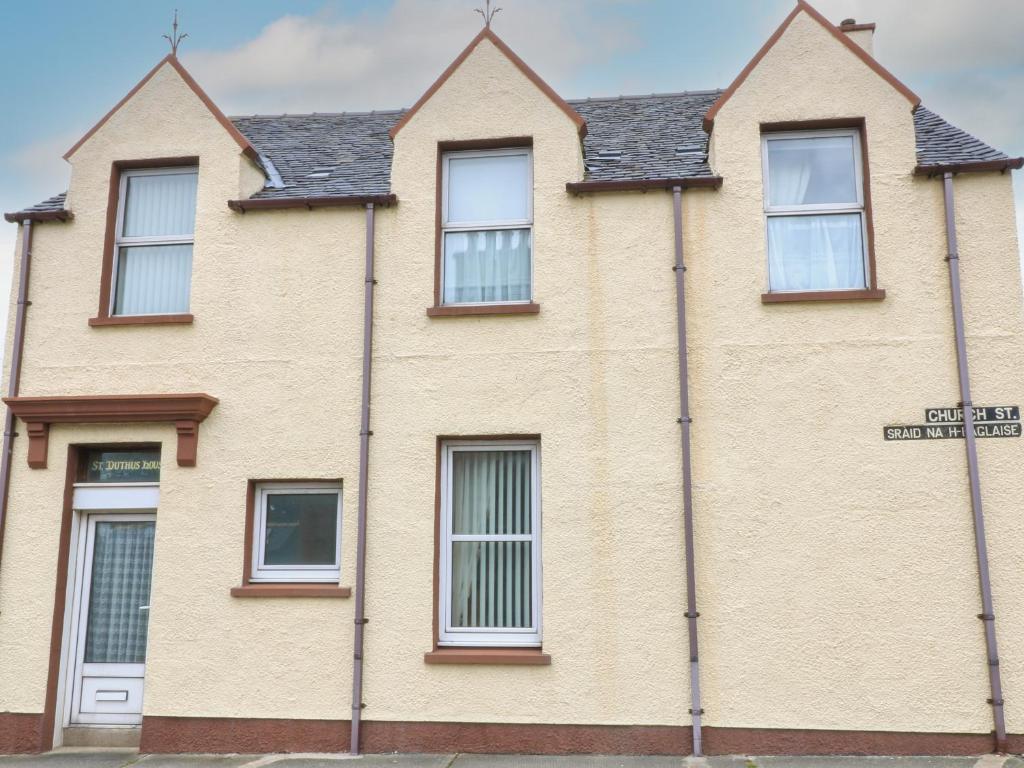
<point>122,566</point>
<point>488,188</point>
<point>491,584</point>
<point>491,492</point>
<point>815,252</point>
<point>487,266</point>
<point>812,171</point>
<point>153,279</point>
<point>160,205</point>
<point>302,529</point>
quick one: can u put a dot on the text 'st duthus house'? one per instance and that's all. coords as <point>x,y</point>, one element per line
<point>667,450</point>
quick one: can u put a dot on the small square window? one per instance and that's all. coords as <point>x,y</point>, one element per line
<point>814,206</point>
<point>297,532</point>
<point>153,243</point>
<point>487,227</point>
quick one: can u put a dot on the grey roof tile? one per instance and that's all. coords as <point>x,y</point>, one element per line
<point>660,136</point>
<point>939,143</point>
<point>629,138</point>
<point>324,155</point>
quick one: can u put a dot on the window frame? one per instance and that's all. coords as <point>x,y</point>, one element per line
<point>472,637</point>
<point>121,241</point>
<point>445,226</point>
<point>861,207</point>
<point>261,573</point>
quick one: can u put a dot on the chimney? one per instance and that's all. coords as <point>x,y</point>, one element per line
<point>861,34</point>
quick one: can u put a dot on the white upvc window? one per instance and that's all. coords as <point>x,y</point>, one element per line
<point>814,210</point>
<point>487,227</point>
<point>297,532</point>
<point>490,564</point>
<point>155,231</point>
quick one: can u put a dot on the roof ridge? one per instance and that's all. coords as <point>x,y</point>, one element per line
<point>355,113</point>
<point>637,96</point>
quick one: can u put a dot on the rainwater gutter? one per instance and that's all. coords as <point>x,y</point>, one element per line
<point>14,381</point>
<point>685,421</point>
<point>970,441</point>
<point>364,458</point>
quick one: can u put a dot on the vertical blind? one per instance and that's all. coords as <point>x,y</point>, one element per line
<point>122,568</point>
<point>492,539</point>
<point>154,260</point>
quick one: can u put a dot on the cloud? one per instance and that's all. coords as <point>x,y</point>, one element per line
<point>386,60</point>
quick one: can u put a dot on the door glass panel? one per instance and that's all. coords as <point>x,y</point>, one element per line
<point>122,566</point>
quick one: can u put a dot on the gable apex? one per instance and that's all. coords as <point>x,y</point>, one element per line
<point>487,34</point>
<point>802,6</point>
<point>172,60</point>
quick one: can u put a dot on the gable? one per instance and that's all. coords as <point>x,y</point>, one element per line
<point>497,42</point>
<point>804,8</point>
<point>170,61</point>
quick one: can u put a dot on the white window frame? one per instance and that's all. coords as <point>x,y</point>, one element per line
<point>528,637</point>
<point>817,209</point>
<point>290,573</point>
<point>120,241</point>
<point>491,225</point>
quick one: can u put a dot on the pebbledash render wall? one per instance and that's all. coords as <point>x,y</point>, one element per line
<point>836,573</point>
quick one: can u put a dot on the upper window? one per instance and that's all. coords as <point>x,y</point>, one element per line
<point>156,218</point>
<point>487,227</point>
<point>814,205</point>
<point>490,552</point>
<point>297,532</point>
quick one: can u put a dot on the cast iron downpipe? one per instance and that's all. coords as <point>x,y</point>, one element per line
<point>685,421</point>
<point>364,451</point>
<point>987,616</point>
<point>15,373</point>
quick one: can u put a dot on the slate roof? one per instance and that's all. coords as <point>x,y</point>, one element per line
<point>939,143</point>
<point>646,137</point>
<point>49,208</point>
<point>629,138</point>
<point>324,155</point>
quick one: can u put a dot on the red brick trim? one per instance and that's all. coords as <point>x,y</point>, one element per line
<point>854,294</point>
<point>20,733</point>
<point>291,590</point>
<point>185,411</point>
<point>219,116</point>
<point>486,33</point>
<point>803,7</point>
<point>513,656</point>
<point>220,735</point>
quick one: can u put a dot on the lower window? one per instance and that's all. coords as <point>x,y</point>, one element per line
<point>297,532</point>
<point>490,551</point>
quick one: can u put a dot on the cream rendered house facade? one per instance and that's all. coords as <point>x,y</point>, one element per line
<point>189,555</point>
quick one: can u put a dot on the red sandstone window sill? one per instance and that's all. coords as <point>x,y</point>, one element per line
<point>291,590</point>
<point>865,294</point>
<point>454,310</point>
<point>514,656</point>
<point>141,320</point>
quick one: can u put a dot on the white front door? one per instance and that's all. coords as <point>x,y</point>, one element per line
<point>111,617</point>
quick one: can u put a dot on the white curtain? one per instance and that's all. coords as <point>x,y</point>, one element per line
<point>122,567</point>
<point>487,266</point>
<point>153,279</point>
<point>815,252</point>
<point>491,580</point>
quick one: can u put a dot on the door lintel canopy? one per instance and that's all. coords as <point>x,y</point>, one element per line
<point>185,411</point>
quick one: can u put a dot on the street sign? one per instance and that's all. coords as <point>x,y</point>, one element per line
<point>981,413</point>
<point>947,423</point>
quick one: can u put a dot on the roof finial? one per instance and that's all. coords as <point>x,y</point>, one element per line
<point>174,38</point>
<point>488,14</point>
